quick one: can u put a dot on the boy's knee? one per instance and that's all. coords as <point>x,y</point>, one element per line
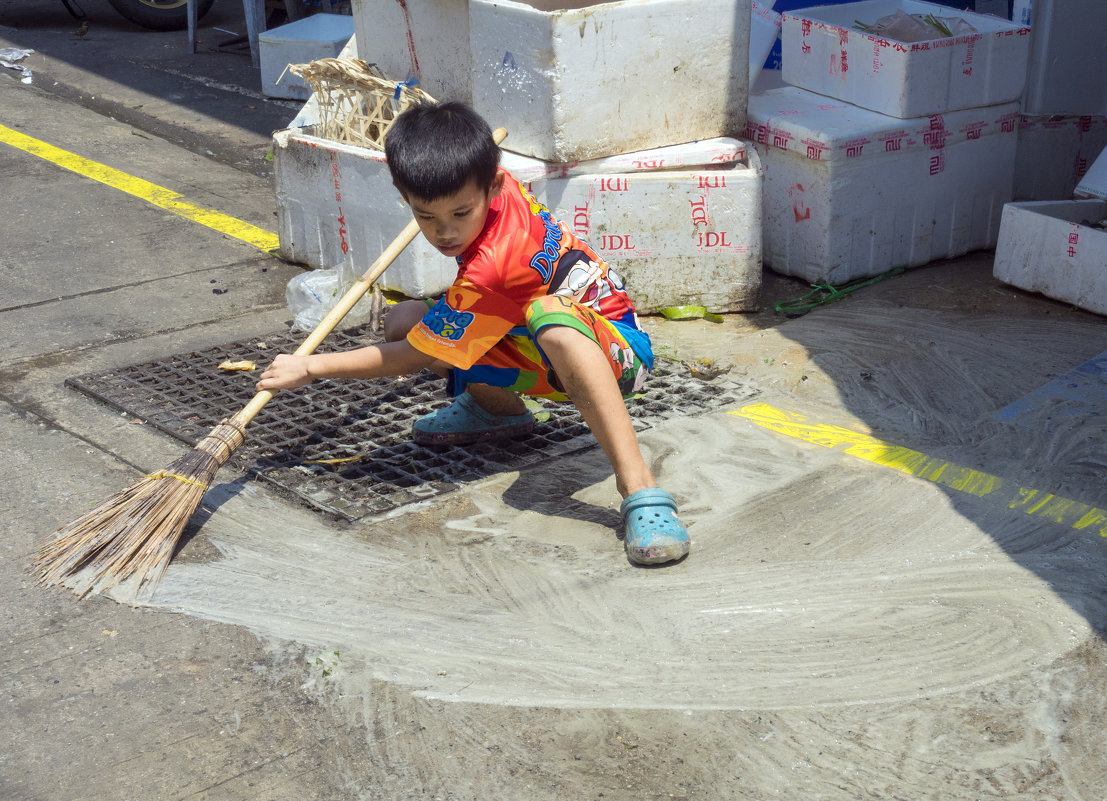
<point>401,318</point>
<point>555,335</point>
<point>539,308</point>
<point>560,343</point>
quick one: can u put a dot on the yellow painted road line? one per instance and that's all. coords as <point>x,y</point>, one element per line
<point>963,479</point>
<point>151,193</point>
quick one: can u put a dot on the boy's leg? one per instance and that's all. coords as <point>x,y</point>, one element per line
<point>653,532</point>
<point>497,401</point>
<point>585,373</point>
<point>498,412</point>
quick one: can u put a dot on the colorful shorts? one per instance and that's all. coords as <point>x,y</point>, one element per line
<point>518,364</point>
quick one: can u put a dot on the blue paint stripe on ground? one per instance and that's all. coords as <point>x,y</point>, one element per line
<point>1081,392</point>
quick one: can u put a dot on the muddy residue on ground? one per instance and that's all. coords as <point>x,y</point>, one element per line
<point>822,598</point>
<point>776,609</point>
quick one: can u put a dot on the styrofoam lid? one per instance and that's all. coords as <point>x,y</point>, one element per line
<point>705,153</point>
<point>825,129</point>
<point>1094,182</point>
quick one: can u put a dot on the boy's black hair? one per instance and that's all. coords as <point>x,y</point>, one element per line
<point>435,150</point>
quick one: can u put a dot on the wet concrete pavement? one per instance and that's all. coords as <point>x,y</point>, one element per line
<point>209,102</point>
<point>106,701</point>
<point>848,626</point>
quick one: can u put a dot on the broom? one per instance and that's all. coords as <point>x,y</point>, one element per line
<point>134,534</point>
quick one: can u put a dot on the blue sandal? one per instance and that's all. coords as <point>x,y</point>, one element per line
<point>464,421</point>
<point>654,533</point>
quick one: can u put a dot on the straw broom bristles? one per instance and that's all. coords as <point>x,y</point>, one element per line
<point>135,532</point>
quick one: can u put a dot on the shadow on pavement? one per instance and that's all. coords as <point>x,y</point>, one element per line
<point>950,363</point>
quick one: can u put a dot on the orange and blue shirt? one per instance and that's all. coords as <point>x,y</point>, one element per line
<point>523,253</point>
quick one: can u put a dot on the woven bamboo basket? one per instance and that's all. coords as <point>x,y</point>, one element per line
<point>357,102</point>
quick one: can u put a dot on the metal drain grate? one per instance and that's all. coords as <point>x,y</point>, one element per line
<point>345,446</point>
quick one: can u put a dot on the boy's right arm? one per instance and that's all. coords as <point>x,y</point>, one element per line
<point>374,361</point>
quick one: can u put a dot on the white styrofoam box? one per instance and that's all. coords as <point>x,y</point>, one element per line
<point>681,224</point>
<point>635,209</point>
<point>428,39</point>
<point>1068,58</point>
<point>850,193</point>
<point>337,209</point>
<point>773,61</point>
<point>764,31</point>
<point>300,42</point>
<point>1054,248</point>
<point>824,53</point>
<point>592,80</point>
<point>1054,153</point>
<point>689,236</point>
<point>573,80</point>
<point>691,156</point>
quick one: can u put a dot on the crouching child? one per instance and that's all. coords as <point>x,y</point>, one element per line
<point>533,311</point>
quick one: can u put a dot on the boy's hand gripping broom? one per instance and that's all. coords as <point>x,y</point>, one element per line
<point>133,534</point>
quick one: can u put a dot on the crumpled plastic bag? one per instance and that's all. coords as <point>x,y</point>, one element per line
<point>904,27</point>
<point>311,295</point>
<point>10,55</point>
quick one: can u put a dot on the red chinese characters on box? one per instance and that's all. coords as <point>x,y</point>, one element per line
<point>1074,240</point>
<point>344,244</point>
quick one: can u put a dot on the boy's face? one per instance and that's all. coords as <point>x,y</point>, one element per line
<point>454,222</point>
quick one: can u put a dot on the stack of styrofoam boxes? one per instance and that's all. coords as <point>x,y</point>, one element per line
<point>1059,247</point>
<point>619,117</point>
<point>1064,110</point>
<point>1056,244</point>
<point>915,166</point>
<point>681,224</point>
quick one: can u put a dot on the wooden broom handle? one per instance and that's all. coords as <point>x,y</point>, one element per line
<point>345,303</point>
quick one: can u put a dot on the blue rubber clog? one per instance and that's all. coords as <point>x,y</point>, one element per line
<point>464,421</point>
<point>654,533</point>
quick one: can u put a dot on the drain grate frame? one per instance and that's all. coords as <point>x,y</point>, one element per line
<point>344,447</point>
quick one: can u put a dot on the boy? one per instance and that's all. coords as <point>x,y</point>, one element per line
<point>533,310</point>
